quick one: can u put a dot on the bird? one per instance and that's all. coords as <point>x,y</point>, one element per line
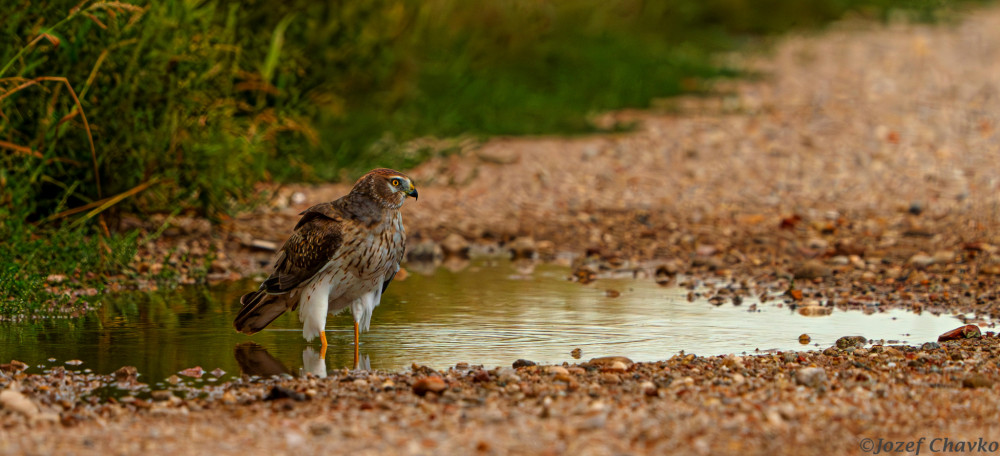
<point>341,255</point>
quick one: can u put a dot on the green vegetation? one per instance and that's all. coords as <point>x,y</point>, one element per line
<point>182,106</point>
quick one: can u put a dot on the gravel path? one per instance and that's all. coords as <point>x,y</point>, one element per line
<point>864,165</point>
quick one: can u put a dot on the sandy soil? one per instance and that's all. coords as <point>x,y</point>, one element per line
<point>864,167</point>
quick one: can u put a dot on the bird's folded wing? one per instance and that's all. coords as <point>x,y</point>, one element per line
<point>316,240</point>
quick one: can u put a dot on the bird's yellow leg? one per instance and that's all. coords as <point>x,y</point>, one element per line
<point>322,350</point>
<point>355,345</point>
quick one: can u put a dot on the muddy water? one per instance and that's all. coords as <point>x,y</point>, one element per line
<point>489,313</point>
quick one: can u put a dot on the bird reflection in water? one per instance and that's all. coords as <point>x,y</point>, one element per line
<point>254,360</point>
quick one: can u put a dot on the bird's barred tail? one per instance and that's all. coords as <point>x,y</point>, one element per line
<point>259,310</point>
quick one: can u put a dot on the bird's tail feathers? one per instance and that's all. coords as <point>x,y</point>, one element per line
<point>260,309</point>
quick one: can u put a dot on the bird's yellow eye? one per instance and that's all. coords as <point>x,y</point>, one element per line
<point>395,182</point>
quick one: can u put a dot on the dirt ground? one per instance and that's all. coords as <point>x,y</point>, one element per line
<point>861,171</point>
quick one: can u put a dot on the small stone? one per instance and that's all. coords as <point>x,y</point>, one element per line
<point>432,384</point>
<point>173,379</point>
<point>424,252</point>
<point>617,366</point>
<point>812,269</point>
<point>194,372</point>
<point>522,248</point>
<point>576,353</point>
<point>804,339</point>
<point>217,372</point>
<point>928,346</point>
<point>921,260</point>
<point>584,275</point>
<point>55,278</point>
<point>126,374</point>
<point>810,376</point>
<point>161,395</point>
<point>612,293</point>
<point>388,385</point>
<point>557,370</point>
<point>976,381</point>
<point>455,246</point>
<point>523,363</point>
<point>608,361</point>
<point>481,376</point>
<point>546,250</point>
<point>964,332</point>
<point>733,362</point>
<point>228,398</point>
<point>944,257</point>
<point>665,273</point>
<point>280,392</point>
<point>74,362</point>
<point>17,402</point>
<point>649,388</point>
<point>851,341</point>
<point>262,244</point>
<point>13,366</point>
<point>814,311</point>
<point>507,375</point>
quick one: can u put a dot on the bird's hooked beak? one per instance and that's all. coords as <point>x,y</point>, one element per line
<point>412,191</point>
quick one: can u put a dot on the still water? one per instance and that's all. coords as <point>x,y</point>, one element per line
<point>489,313</point>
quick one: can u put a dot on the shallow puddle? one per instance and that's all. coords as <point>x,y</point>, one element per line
<point>490,313</point>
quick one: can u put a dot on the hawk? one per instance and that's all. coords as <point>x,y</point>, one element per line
<point>341,254</point>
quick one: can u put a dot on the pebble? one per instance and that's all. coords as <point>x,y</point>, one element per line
<point>812,269</point>
<point>193,372</point>
<point>523,363</point>
<point>609,361</point>
<point>810,376</point>
<point>454,245</point>
<point>851,341</point>
<point>921,260</point>
<point>964,332</point>
<point>13,366</point>
<point>977,381</point>
<point>17,402</point>
<point>617,366</point>
<point>432,384</point>
<point>161,395</point>
<point>649,388</point>
<point>557,370</point>
<point>281,392</point>
<point>814,311</point>
<point>522,248</point>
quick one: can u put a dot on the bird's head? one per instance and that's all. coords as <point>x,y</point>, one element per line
<point>388,187</point>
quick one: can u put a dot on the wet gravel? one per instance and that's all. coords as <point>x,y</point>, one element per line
<point>861,173</point>
<point>811,402</point>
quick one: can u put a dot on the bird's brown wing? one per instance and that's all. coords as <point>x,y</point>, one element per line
<point>317,237</point>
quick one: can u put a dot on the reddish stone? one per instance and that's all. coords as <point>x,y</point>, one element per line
<point>964,332</point>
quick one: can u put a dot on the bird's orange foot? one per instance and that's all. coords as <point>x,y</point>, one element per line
<point>322,350</point>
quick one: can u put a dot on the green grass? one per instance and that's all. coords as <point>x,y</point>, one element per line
<point>182,106</point>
